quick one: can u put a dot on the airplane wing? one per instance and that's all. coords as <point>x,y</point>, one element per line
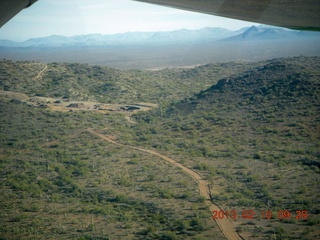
<point>9,8</point>
<point>294,14</point>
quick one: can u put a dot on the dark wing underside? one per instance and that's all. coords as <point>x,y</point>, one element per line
<point>295,14</point>
<point>9,8</point>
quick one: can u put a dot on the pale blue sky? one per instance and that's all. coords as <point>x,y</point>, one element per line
<point>76,17</point>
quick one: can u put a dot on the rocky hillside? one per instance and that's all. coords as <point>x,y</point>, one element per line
<point>95,83</point>
<point>255,135</point>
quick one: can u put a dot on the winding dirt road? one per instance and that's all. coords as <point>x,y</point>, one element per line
<point>224,224</point>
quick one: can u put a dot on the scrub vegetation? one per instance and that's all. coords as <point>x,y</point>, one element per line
<point>84,82</point>
<point>252,130</point>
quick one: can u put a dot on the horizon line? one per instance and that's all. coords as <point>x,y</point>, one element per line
<point>112,34</point>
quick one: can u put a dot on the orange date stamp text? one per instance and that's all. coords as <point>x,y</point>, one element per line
<point>264,214</point>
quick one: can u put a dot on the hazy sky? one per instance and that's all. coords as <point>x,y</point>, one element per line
<point>76,17</point>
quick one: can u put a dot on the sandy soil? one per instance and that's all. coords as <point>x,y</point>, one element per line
<point>67,105</point>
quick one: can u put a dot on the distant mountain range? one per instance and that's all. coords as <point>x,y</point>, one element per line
<point>183,36</point>
<point>263,33</point>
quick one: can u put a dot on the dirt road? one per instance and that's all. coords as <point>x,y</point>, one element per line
<point>39,75</point>
<point>224,224</point>
<point>130,120</point>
